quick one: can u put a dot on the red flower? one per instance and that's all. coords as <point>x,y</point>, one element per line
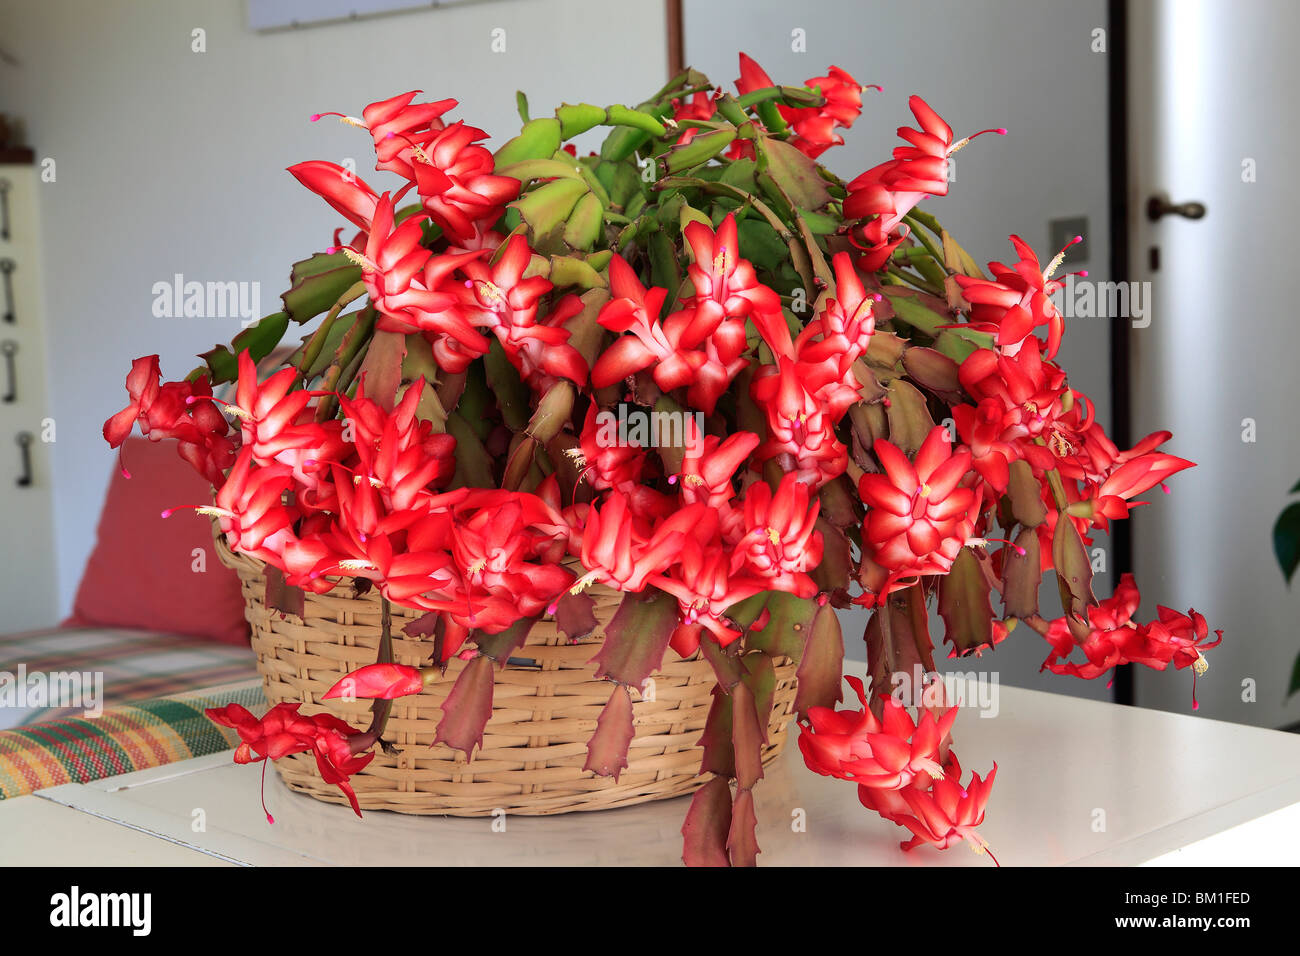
<point>781,543</point>
<point>709,465</point>
<point>249,509</point>
<point>919,517</point>
<point>700,347</point>
<point>891,190</point>
<point>270,413</point>
<point>499,297</point>
<point>1178,638</point>
<point>342,189</point>
<point>605,462</point>
<point>704,587</point>
<point>399,454</point>
<point>1017,300</point>
<point>283,731</point>
<point>366,541</point>
<point>633,308</point>
<point>541,351</point>
<point>942,816</point>
<point>814,125</point>
<point>180,410</point>
<point>835,339</point>
<point>800,428</point>
<point>1019,399</point>
<point>889,753</point>
<point>726,285</point>
<point>378,682</point>
<point>1109,638</point>
<point>621,551</point>
<point>506,548</point>
<point>456,182</point>
<point>1133,477</point>
<point>396,123</point>
<point>701,106</point>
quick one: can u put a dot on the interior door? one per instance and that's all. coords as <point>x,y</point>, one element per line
<point>1212,88</point>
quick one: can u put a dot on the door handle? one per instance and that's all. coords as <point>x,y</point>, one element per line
<point>24,440</point>
<point>4,208</point>
<point>9,348</point>
<point>1158,206</point>
<point>7,267</point>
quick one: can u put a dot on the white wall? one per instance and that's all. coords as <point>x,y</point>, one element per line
<point>1021,64</point>
<point>173,161</point>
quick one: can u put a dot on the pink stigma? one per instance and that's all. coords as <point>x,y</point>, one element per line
<point>269,818</point>
<point>1001,131</point>
<point>315,117</point>
<point>552,608</point>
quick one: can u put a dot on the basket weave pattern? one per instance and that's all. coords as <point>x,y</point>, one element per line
<point>543,712</point>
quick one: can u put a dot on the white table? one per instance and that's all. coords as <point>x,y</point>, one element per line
<point>1173,788</point>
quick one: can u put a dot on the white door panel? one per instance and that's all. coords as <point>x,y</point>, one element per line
<point>1212,89</point>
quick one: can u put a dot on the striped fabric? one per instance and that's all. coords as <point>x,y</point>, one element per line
<point>128,737</point>
<point>135,665</point>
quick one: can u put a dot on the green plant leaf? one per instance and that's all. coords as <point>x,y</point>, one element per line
<point>964,605</point>
<point>607,748</point>
<point>760,244</point>
<point>473,463</point>
<point>822,665</point>
<point>637,637</point>
<point>317,283</point>
<point>708,823</point>
<point>1021,576</point>
<point>795,174</point>
<point>260,340</point>
<point>1286,540</point>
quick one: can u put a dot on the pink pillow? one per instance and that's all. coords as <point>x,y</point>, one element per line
<point>142,571</point>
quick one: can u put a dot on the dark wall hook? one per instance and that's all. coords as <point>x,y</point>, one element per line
<point>25,440</point>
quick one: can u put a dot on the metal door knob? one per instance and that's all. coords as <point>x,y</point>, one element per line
<point>1158,206</point>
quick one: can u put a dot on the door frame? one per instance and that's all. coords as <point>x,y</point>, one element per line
<point>1121,425</point>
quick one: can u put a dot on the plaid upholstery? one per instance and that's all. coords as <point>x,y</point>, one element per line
<point>135,665</point>
<point>128,737</point>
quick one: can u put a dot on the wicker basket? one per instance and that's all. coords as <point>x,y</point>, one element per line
<point>542,714</point>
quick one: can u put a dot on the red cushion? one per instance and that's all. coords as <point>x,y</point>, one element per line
<point>142,572</point>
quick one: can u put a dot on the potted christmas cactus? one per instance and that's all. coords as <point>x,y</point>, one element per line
<point>554,506</point>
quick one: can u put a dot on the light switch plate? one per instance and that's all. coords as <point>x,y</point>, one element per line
<point>1062,231</point>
